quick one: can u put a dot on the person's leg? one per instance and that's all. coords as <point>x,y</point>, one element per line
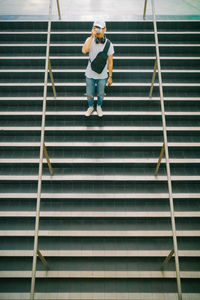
<point>101,83</point>
<point>90,90</point>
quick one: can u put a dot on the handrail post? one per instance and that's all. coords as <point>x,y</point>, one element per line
<point>145,8</point>
<point>167,259</point>
<point>43,260</point>
<point>48,160</point>
<point>167,159</point>
<point>51,77</point>
<point>37,220</point>
<point>58,7</point>
<point>160,158</point>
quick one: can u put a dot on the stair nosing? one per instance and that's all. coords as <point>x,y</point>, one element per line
<point>114,57</point>
<point>100,144</point>
<point>98,128</point>
<point>102,233</point>
<point>106,113</point>
<point>80,84</point>
<point>100,160</point>
<point>99,253</point>
<point>83,71</point>
<point>94,177</point>
<point>99,196</point>
<point>99,274</point>
<point>108,32</point>
<point>81,44</point>
<point>103,214</point>
<point>74,98</point>
<point>98,296</point>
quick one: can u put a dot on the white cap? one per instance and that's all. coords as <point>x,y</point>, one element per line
<point>100,24</point>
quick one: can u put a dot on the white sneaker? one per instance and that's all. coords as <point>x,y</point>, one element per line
<point>89,111</point>
<point>99,111</point>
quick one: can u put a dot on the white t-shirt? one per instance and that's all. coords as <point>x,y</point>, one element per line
<point>94,50</point>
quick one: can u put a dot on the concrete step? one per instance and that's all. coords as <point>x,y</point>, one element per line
<point>98,253</point>
<point>99,296</point>
<point>99,233</point>
<point>99,274</point>
<point>95,214</point>
<point>94,177</point>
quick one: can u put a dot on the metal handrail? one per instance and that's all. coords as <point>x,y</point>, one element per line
<point>166,153</point>
<point>37,220</point>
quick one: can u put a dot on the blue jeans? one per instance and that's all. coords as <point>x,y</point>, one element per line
<point>90,90</point>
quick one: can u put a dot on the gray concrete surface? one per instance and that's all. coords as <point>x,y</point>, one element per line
<point>91,9</point>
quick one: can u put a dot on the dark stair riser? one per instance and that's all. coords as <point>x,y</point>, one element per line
<point>99,205</point>
<point>84,25</point>
<point>79,77</point>
<point>124,50</point>
<point>81,63</point>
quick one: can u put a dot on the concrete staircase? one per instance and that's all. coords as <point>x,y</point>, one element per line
<point>105,225</point>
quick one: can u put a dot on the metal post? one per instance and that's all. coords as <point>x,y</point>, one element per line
<point>160,158</point>
<point>167,159</point>
<point>48,160</point>
<point>167,259</point>
<point>58,7</point>
<point>41,160</point>
<point>51,77</point>
<point>145,8</point>
<point>43,260</point>
<point>153,77</point>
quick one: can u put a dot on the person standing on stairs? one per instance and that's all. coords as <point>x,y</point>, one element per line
<point>100,63</point>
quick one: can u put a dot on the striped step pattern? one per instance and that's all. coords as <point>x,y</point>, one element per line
<point>105,225</point>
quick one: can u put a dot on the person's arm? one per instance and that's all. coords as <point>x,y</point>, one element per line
<point>110,69</point>
<point>86,46</point>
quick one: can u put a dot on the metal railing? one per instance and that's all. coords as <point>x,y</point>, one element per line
<point>43,152</point>
<point>165,149</point>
